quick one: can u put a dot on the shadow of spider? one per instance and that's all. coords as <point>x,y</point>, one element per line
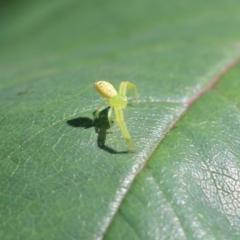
<point>101,125</point>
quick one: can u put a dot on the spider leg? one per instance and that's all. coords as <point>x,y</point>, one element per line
<point>99,109</point>
<point>109,118</point>
<point>121,124</point>
<point>124,86</point>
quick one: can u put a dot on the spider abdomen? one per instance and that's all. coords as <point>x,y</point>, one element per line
<point>105,89</point>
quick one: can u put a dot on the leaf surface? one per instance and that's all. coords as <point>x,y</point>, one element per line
<point>183,181</point>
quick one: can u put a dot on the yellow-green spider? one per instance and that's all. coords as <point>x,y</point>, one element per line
<point>117,102</point>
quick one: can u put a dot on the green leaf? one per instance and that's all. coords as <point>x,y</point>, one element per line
<point>63,177</point>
